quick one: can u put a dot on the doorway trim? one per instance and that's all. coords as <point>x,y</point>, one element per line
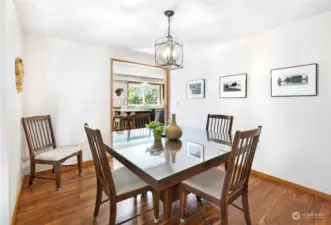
<point>166,87</point>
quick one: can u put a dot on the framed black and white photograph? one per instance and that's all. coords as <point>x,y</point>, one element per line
<point>233,86</point>
<point>194,150</point>
<point>196,88</point>
<point>294,81</point>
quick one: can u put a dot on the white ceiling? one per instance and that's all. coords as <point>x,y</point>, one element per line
<point>136,24</point>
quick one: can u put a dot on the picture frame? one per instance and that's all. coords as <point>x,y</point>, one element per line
<point>195,89</point>
<point>195,150</point>
<point>294,81</point>
<point>233,86</point>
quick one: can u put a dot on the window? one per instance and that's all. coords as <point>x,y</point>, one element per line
<point>143,93</point>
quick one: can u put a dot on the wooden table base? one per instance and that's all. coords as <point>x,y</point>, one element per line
<point>169,196</point>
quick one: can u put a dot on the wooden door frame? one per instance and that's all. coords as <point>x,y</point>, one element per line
<point>166,87</point>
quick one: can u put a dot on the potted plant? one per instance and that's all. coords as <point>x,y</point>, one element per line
<point>157,128</point>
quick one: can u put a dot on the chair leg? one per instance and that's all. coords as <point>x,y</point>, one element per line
<point>224,214</point>
<point>98,200</point>
<point>156,206</point>
<point>226,165</point>
<point>79,162</point>
<point>32,171</point>
<point>57,168</point>
<point>183,196</point>
<point>246,207</point>
<point>53,170</point>
<point>112,215</point>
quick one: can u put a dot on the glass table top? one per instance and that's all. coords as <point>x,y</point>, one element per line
<point>161,159</point>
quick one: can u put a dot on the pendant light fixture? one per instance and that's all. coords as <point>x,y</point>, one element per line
<point>168,50</point>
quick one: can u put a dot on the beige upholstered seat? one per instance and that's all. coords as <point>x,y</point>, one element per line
<point>58,153</point>
<point>224,187</point>
<point>126,181</point>
<point>210,181</point>
<point>119,184</point>
<point>43,149</point>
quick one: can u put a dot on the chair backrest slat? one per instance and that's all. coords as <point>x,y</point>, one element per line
<point>240,161</point>
<point>135,134</point>
<point>219,123</point>
<point>140,120</point>
<point>39,133</point>
<point>102,168</point>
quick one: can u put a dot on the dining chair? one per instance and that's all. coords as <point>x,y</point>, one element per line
<point>224,187</point>
<point>219,123</point>
<point>118,184</point>
<point>43,149</point>
<point>140,120</point>
<point>137,134</point>
<point>122,123</point>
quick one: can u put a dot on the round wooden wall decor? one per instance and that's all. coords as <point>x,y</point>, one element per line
<point>19,71</point>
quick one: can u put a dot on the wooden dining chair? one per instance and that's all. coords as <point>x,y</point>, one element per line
<point>136,134</point>
<point>122,123</point>
<point>140,120</point>
<point>223,188</point>
<point>43,149</point>
<point>118,184</point>
<point>219,123</point>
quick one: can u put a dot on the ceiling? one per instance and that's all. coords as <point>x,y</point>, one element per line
<point>135,24</point>
<point>138,71</point>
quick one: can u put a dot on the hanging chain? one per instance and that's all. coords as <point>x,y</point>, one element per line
<point>169,26</point>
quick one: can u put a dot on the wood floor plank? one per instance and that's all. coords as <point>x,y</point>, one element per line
<point>270,203</point>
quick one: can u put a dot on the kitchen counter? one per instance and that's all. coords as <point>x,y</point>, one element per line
<point>130,110</point>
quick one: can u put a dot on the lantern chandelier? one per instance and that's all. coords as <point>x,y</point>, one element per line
<point>168,50</point>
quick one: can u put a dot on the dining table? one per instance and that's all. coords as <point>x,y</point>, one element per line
<point>164,164</point>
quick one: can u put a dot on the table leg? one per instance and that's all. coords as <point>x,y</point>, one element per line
<point>156,202</point>
<point>167,203</point>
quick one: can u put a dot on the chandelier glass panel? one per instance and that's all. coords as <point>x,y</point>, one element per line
<point>168,50</point>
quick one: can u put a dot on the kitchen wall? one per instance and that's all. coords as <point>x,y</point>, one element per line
<point>123,98</point>
<point>294,142</point>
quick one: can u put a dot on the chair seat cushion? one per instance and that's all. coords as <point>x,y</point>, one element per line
<point>209,182</point>
<point>126,181</point>
<point>57,154</point>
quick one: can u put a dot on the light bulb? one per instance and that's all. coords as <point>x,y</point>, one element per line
<point>166,53</point>
<point>173,54</point>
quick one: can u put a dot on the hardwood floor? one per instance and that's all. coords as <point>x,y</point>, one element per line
<point>270,203</point>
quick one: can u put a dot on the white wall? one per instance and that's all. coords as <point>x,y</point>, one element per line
<point>11,111</point>
<point>294,143</point>
<point>4,188</point>
<point>133,56</point>
<point>69,81</point>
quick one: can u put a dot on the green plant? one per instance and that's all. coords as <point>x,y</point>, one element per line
<point>133,97</point>
<point>156,127</point>
<point>150,99</point>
